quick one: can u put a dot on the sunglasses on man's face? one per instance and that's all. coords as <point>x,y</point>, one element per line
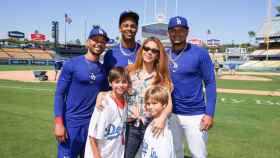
<point>154,51</point>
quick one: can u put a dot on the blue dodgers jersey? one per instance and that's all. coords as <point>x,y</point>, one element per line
<point>77,87</point>
<point>189,70</point>
<point>115,57</point>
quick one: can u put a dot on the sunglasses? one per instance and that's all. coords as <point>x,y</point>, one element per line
<point>154,51</point>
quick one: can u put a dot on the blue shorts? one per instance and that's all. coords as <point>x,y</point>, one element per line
<point>74,146</point>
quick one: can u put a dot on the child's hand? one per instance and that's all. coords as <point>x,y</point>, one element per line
<point>60,132</point>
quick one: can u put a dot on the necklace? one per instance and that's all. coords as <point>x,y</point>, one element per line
<point>127,54</point>
<point>133,52</point>
<point>173,61</point>
<point>120,103</point>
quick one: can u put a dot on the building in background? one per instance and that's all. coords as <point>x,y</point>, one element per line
<point>267,56</point>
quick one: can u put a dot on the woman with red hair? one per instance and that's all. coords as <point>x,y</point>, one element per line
<point>150,68</point>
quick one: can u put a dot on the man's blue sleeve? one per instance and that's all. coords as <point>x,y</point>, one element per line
<point>208,75</point>
<point>108,63</point>
<point>62,89</point>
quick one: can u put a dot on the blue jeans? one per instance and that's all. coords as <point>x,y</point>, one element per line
<point>134,138</point>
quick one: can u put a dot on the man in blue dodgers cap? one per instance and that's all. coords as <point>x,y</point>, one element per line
<point>125,52</point>
<point>80,81</point>
<point>193,110</point>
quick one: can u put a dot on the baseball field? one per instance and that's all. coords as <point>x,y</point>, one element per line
<point>247,124</point>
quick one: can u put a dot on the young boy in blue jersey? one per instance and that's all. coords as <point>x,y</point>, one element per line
<point>125,52</point>
<point>193,110</point>
<point>80,81</point>
<point>106,129</point>
<point>156,100</point>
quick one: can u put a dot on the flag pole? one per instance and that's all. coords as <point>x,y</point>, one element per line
<point>155,9</point>
<point>145,8</point>
<point>85,31</point>
<point>176,7</point>
<point>65,31</point>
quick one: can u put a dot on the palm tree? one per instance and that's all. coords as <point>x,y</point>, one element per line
<point>252,35</point>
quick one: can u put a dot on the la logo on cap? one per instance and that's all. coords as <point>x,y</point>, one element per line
<point>178,21</point>
<point>101,32</point>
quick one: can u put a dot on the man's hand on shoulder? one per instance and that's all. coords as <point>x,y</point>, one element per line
<point>100,97</point>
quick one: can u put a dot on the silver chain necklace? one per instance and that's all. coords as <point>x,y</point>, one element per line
<point>129,61</point>
<point>128,54</point>
<point>175,65</point>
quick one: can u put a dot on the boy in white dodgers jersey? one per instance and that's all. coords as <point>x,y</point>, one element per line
<point>156,99</point>
<point>106,129</point>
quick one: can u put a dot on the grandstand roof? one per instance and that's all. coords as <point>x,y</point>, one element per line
<point>270,52</point>
<point>271,29</point>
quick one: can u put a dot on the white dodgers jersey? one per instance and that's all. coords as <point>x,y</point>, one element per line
<point>161,147</point>
<point>107,126</point>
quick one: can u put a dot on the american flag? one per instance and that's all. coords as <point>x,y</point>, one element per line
<point>208,32</point>
<point>67,19</point>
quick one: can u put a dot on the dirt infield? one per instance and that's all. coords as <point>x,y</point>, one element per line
<point>253,92</point>
<point>254,73</point>
<point>28,76</point>
<point>244,78</point>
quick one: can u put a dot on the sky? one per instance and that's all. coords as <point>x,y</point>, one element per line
<point>228,20</point>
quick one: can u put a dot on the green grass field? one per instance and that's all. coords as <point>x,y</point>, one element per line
<point>256,85</point>
<point>246,126</point>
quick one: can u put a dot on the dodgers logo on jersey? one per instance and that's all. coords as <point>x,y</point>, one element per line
<point>129,61</point>
<point>144,148</point>
<point>113,131</point>
<point>153,154</point>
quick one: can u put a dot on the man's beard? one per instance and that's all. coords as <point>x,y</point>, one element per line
<point>91,50</point>
<point>178,43</point>
<point>130,38</point>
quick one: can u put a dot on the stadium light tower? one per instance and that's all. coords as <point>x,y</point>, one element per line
<point>159,14</point>
<point>176,8</point>
<point>155,8</point>
<point>145,8</point>
<point>269,25</point>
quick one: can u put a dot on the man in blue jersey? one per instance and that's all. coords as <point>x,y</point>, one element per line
<point>80,81</point>
<point>125,52</point>
<point>193,110</point>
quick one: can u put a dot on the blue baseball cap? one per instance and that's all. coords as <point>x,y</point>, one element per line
<point>97,31</point>
<point>178,21</point>
<point>129,13</point>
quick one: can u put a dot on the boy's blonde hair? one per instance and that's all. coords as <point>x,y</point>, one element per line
<point>157,93</point>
